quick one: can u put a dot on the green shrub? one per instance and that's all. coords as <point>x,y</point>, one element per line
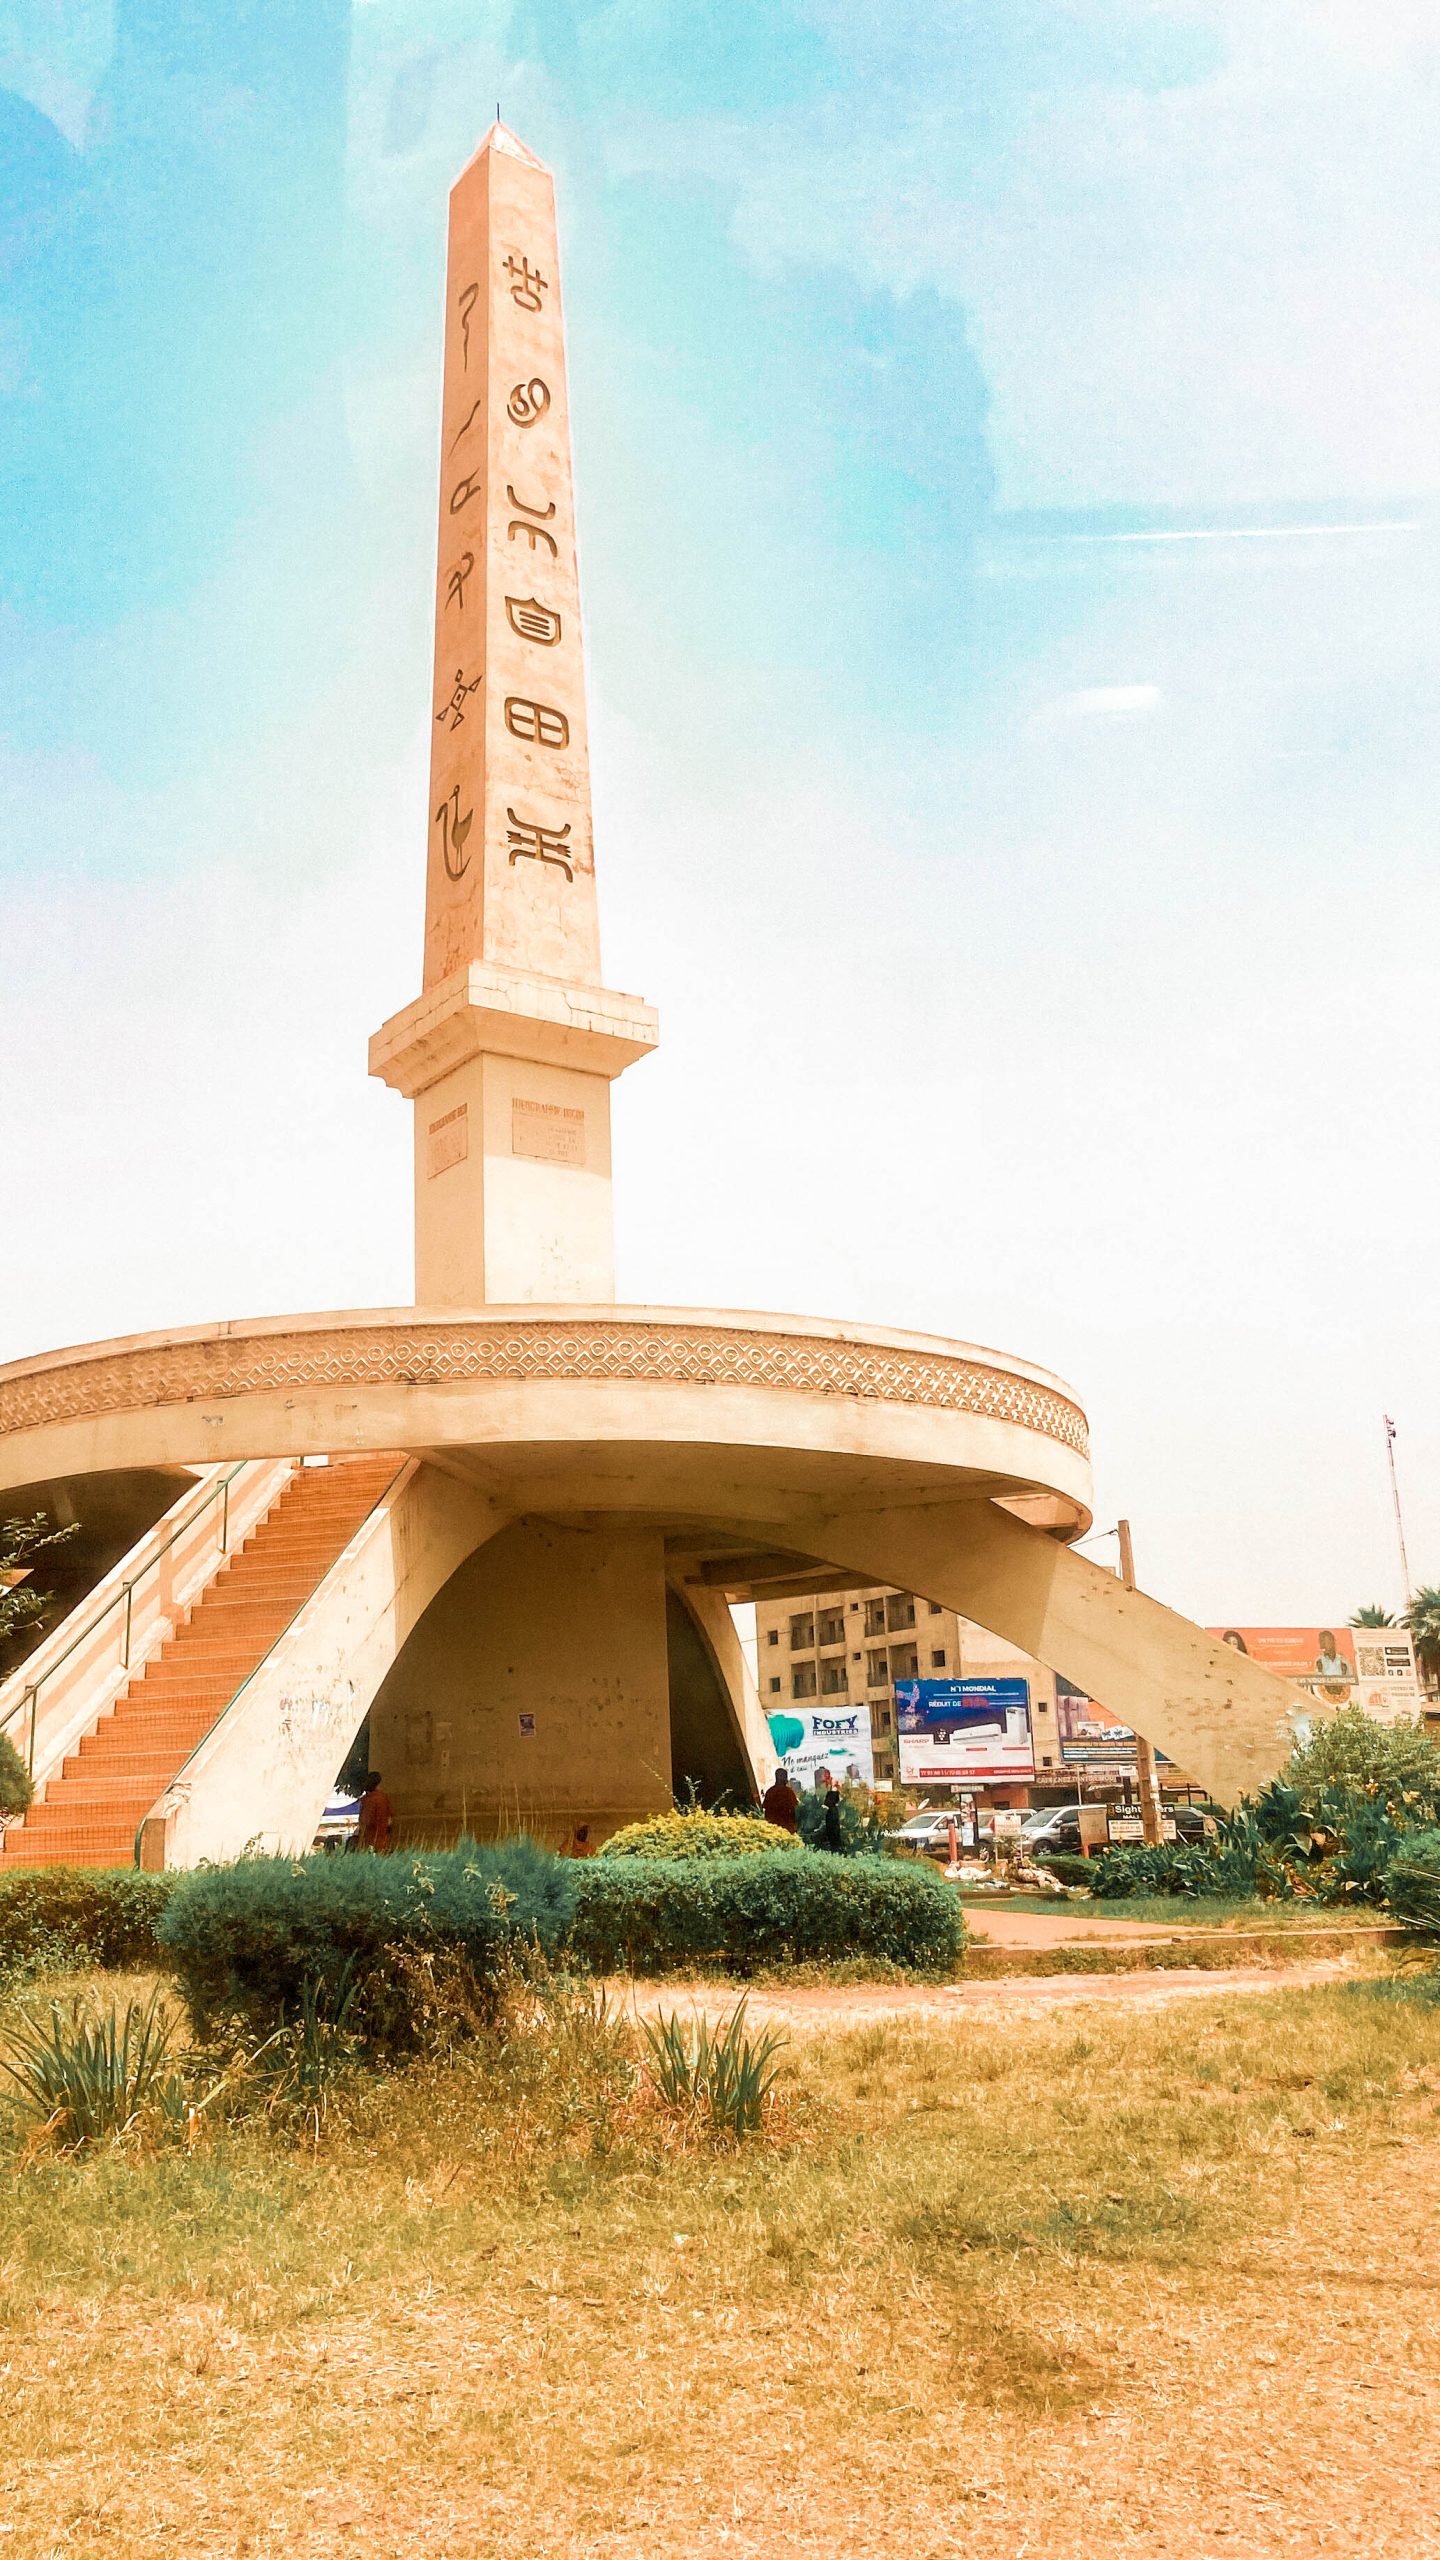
<point>70,1919</point>
<point>1224,1869</point>
<point>697,1834</point>
<point>862,1824</point>
<point>724,2074</point>
<point>1412,1882</point>
<point>1396,1764</point>
<point>660,1915</point>
<point>15,1788</point>
<point>1066,1869</point>
<point>414,1947</point>
<point>89,2075</point>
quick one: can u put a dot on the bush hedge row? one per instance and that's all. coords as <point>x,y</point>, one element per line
<point>659,1916</point>
<point>391,1940</point>
<point>59,1919</point>
<point>399,1938</point>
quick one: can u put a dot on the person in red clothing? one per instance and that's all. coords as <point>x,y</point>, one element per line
<point>376,1815</point>
<point>780,1804</point>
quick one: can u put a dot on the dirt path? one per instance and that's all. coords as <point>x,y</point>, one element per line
<point>1068,1927</point>
<point>818,2008</point>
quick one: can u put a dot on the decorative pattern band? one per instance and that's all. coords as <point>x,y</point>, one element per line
<point>373,1355</point>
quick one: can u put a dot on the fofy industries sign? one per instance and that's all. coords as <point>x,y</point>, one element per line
<point>816,1742</point>
<point>957,1730</point>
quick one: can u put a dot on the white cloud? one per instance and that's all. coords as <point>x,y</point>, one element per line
<point>1227,290</point>
<point>1104,702</point>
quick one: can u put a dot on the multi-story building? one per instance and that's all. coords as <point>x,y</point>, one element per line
<point>854,1646</point>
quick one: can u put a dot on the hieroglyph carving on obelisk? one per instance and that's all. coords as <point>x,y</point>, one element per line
<point>512,863</point>
<point>511,1049</point>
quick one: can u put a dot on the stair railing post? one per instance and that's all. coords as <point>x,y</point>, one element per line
<point>129,1614</point>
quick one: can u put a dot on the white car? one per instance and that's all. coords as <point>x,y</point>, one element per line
<point>338,1823</point>
<point>927,1832</point>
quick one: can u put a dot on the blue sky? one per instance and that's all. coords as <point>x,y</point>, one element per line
<point>1007,492</point>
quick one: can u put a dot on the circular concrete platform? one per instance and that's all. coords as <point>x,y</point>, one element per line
<point>698,1413</point>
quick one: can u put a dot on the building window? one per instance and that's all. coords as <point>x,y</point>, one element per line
<point>802,1634</point>
<point>899,1611</point>
<point>773,1636</point>
<point>834,1679</point>
<point>904,1662</point>
<point>774,1688</point>
<point>855,1657</point>
<point>934,1608</point>
<point>874,1617</point>
<point>937,1661</point>
<point>1045,1760</point>
<point>802,1680</point>
<point>877,1671</point>
<point>830,1627</point>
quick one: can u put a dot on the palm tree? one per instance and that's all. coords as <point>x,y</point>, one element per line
<point>1372,1616</point>
<point>1423,1620</point>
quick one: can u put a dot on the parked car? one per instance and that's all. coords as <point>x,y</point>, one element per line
<point>929,1832</point>
<point>338,1823</point>
<point>1058,1829</point>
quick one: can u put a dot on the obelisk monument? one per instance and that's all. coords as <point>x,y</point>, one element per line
<point>510,1051</point>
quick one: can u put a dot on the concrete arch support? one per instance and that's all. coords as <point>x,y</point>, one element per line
<point>1212,1710</point>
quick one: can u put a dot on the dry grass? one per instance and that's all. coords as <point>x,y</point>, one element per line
<point>1152,2282</point>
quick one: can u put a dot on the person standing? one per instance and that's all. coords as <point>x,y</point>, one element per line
<point>831,1836</point>
<point>376,1815</point>
<point>780,1804</point>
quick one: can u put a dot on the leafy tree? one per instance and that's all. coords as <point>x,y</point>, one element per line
<point>21,1605</point>
<point>1373,1616</point>
<point>15,1788</point>
<point>1423,1620</point>
<point>1396,1763</point>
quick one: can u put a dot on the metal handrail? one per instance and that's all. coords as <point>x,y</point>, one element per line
<point>30,1694</point>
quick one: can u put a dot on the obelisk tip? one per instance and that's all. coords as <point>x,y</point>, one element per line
<point>500,138</point>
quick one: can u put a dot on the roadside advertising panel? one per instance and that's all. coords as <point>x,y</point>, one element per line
<point>958,1731</point>
<point>1369,1667</point>
<point>1320,1660</point>
<point>834,1741</point>
<point>1387,1677</point>
<point>1092,1739</point>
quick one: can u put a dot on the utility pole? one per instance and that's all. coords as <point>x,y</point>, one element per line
<point>1399,1520</point>
<point>1151,1820</point>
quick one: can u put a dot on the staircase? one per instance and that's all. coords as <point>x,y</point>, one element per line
<point>93,1805</point>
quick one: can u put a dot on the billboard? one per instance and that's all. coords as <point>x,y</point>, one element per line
<point>1092,1739</point>
<point>961,1731</point>
<point>1372,1668</point>
<point>831,1741</point>
<point>1320,1660</point>
<point>1387,1679</point>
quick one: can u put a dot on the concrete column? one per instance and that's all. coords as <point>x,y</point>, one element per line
<point>534,1693</point>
